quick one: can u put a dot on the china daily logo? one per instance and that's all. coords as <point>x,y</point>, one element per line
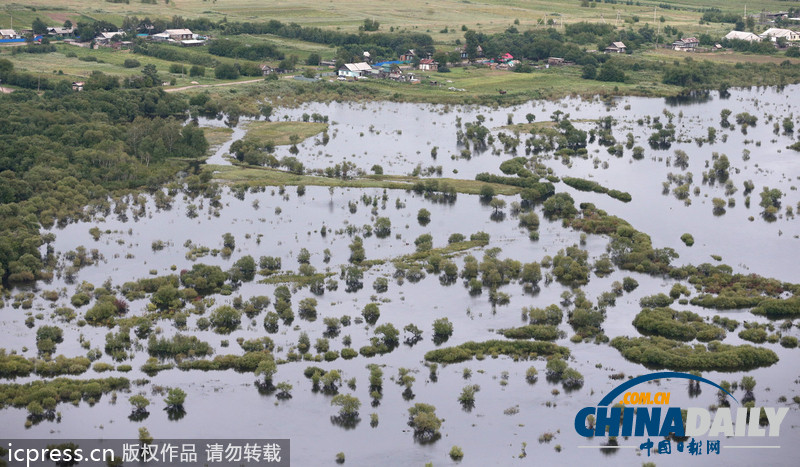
<point>654,418</point>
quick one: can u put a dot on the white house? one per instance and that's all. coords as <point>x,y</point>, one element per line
<point>179,34</point>
<point>616,47</point>
<point>427,64</point>
<point>774,33</point>
<point>160,37</point>
<point>8,34</point>
<point>107,37</point>
<point>742,36</point>
<point>354,70</point>
<point>687,43</point>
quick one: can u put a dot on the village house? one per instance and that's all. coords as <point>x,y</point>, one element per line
<point>77,85</point>
<point>427,64</point>
<point>61,32</point>
<point>408,56</point>
<point>160,37</point>
<point>555,61</point>
<point>106,38</point>
<point>354,70</point>
<point>179,34</point>
<point>8,34</point>
<point>267,70</point>
<point>774,34</point>
<point>192,42</point>
<point>464,55</point>
<point>686,44</point>
<point>616,47</point>
<point>742,36</point>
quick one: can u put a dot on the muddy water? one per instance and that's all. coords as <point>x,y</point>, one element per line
<point>226,404</point>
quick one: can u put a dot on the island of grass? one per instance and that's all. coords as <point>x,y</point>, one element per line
<point>264,133</point>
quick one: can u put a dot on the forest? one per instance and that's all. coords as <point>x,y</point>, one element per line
<point>62,150</point>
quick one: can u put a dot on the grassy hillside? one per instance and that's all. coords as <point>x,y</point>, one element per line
<point>421,15</point>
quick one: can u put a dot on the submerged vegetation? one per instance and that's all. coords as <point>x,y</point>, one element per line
<point>331,243</point>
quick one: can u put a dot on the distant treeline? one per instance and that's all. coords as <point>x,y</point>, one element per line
<point>717,16</point>
<point>234,49</point>
<point>399,42</point>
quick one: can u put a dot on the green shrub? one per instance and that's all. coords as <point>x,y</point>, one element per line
<point>518,349</point>
<point>660,352</point>
<point>541,332</point>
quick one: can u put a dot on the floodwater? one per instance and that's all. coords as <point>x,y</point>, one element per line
<point>226,404</point>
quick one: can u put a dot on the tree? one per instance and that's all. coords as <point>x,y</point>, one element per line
<point>682,159</point>
<point>331,381</point>
<point>284,390</point>
<point>423,216</point>
<point>487,192</point>
<point>167,297</point>
<point>748,384</point>
<point>442,328</point>
<point>226,71</point>
<point>139,404</point>
<point>383,227</point>
<point>307,308</point>
<point>266,370</point>
<point>391,336</point>
<point>531,274</point>
<point>144,436</point>
<point>560,205</point>
<point>348,406</point>
<point>313,59</point>
<point>467,397</point>
<point>471,44</point>
<point>422,418</point>
<point>424,242</point>
<point>175,399</point>
<point>371,313</point>
<point>357,252</point>
<point>719,206</point>
<point>371,25</point>
<point>243,270</point>
<point>225,319</point>
<point>416,334</point>
<point>497,204</point>
<point>39,27</point>
<point>151,75</point>
<point>610,71</point>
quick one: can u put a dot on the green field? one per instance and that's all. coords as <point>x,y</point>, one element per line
<point>280,133</point>
<point>443,23</point>
<point>261,176</point>
<point>419,15</point>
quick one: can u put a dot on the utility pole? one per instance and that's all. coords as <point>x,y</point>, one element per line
<point>658,26</point>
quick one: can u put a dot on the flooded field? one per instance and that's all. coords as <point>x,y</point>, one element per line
<point>152,239</point>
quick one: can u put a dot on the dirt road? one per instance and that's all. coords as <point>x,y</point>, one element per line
<point>183,88</point>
